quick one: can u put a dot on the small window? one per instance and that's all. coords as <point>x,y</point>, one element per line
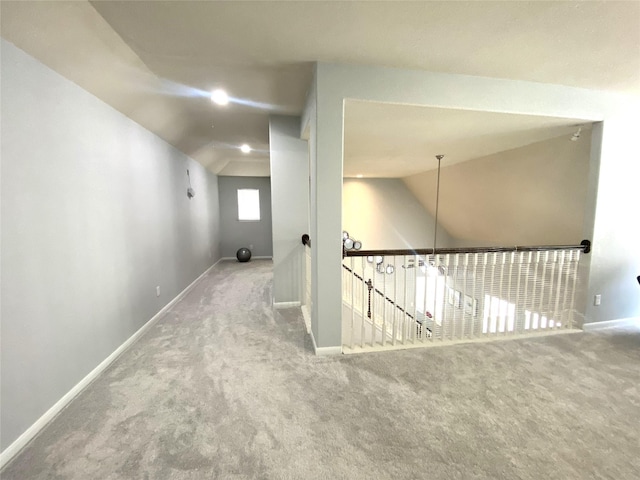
<point>249,204</point>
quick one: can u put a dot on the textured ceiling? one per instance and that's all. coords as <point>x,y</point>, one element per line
<point>157,61</point>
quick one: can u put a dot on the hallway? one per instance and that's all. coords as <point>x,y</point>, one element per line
<point>225,387</point>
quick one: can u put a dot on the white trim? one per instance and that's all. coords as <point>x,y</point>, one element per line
<point>486,338</point>
<point>619,323</point>
<point>206,271</point>
<point>285,304</point>
<point>18,444</point>
<point>226,259</point>
<point>321,351</point>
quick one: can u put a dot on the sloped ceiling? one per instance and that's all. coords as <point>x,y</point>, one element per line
<point>532,195</point>
<point>389,140</point>
<point>157,61</point>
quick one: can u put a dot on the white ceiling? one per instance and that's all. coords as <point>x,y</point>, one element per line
<point>389,140</point>
<point>157,61</point>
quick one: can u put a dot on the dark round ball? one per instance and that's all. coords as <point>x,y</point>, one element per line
<point>243,254</point>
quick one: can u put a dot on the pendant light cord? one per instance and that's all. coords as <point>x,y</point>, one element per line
<point>435,230</point>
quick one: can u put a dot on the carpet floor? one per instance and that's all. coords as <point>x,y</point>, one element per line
<point>224,387</point>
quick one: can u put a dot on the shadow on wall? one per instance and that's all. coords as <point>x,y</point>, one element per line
<point>383,214</point>
<point>288,277</point>
<point>532,195</point>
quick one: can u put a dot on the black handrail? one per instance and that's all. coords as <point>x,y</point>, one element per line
<point>585,246</point>
<point>369,285</point>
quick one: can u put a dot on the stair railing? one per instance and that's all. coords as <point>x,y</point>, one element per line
<point>457,294</point>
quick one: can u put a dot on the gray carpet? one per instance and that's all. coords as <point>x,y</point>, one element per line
<point>224,387</point>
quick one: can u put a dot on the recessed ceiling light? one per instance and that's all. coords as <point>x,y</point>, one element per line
<point>359,175</point>
<point>220,97</point>
<point>245,148</point>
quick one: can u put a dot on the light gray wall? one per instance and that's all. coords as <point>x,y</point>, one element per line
<point>383,214</point>
<point>290,206</point>
<point>236,234</point>
<point>325,155</point>
<point>94,216</point>
<point>614,257</point>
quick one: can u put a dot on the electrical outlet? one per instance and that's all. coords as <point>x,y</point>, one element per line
<point>251,246</point>
<point>597,300</point>
<point>158,291</point>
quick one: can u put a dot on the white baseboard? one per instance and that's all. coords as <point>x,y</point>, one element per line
<point>12,450</point>
<point>234,259</point>
<point>321,351</point>
<point>619,323</point>
<point>285,304</point>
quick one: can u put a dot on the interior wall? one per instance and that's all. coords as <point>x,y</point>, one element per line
<point>384,214</point>
<point>256,236</point>
<point>289,206</point>
<point>95,216</point>
<point>615,238</point>
<point>615,258</point>
<point>319,333</point>
<point>326,215</point>
<point>532,195</point>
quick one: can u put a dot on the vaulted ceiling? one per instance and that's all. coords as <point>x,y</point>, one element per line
<point>388,140</point>
<point>157,62</point>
